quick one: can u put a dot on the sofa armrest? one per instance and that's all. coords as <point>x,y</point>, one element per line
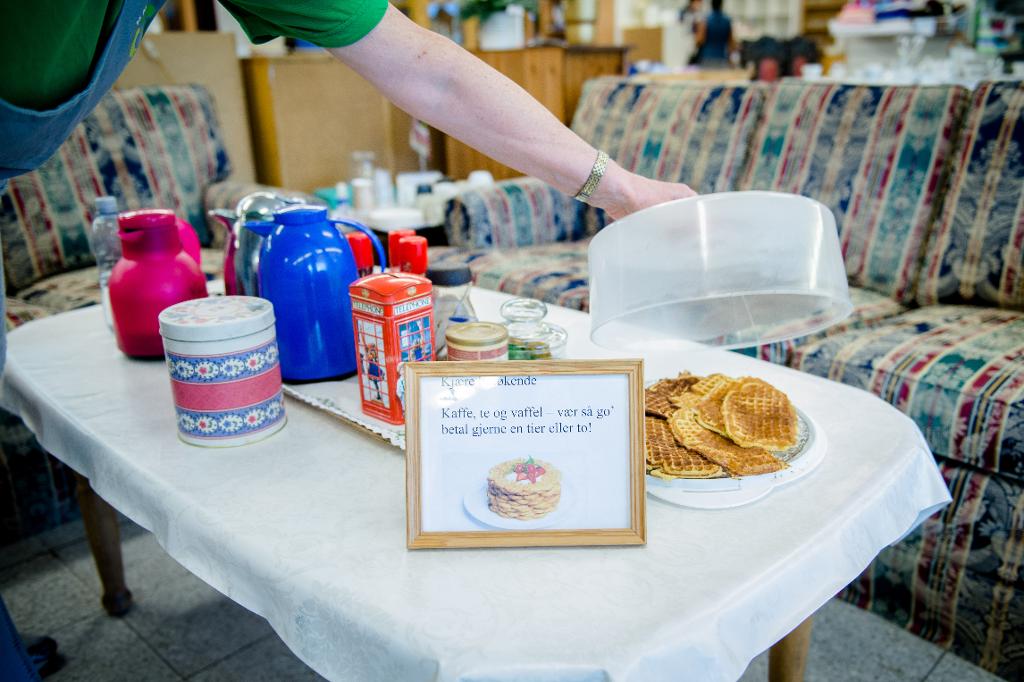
<point>518,212</point>
<point>227,194</point>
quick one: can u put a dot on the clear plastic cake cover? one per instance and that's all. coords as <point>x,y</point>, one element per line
<point>728,270</point>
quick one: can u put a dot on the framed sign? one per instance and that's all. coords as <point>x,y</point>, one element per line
<point>507,454</point>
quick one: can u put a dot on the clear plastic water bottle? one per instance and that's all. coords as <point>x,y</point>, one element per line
<point>106,247</point>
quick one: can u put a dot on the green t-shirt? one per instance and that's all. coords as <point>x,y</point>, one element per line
<point>327,23</point>
<point>48,47</point>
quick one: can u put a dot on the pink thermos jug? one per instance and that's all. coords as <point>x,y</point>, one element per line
<point>189,240</point>
<point>154,272</point>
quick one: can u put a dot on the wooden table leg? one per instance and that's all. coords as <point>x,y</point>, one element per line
<point>104,535</point>
<point>788,658</point>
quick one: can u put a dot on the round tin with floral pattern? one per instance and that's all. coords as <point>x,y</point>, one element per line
<point>222,357</point>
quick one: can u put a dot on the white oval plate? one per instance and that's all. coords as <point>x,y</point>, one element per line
<point>725,493</point>
<point>475,503</point>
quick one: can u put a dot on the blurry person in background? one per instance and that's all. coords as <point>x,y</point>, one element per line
<point>714,38</point>
<point>691,17</point>
<point>769,58</point>
<point>801,51</point>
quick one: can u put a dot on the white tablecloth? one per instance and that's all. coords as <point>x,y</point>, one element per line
<point>308,529</point>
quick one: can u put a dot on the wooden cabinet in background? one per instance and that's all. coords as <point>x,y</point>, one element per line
<point>309,112</point>
<point>583,62</point>
<point>815,17</point>
<point>554,76</point>
<point>540,70</point>
<point>646,43</point>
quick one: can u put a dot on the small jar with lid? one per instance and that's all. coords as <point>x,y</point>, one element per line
<point>225,375</point>
<point>529,336</point>
<point>477,341</point>
<point>452,285</point>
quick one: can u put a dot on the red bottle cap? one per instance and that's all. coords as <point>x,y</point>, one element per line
<point>412,252</point>
<point>362,251</point>
<point>394,255</point>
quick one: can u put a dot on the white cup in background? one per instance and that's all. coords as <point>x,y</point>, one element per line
<point>480,178</point>
<point>362,194</point>
<point>812,72</point>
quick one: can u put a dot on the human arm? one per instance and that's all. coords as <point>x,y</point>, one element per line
<point>438,82</point>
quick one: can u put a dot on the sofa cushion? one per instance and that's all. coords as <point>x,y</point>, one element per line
<point>19,312</point>
<point>553,273</point>
<point>64,292</point>
<point>958,579</point>
<point>874,155</point>
<point>869,309</point>
<point>684,132</point>
<point>977,251</point>
<point>518,212</point>
<point>958,371</point>
<point>80,288</point>
<point>153,147</point>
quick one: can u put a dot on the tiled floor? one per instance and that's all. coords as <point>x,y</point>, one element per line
<point>180,628</point>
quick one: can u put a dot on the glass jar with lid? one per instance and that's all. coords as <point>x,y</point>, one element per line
<point>529,336</point>
<point>477,341</point>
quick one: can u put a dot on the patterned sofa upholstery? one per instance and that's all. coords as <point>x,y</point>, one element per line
<point>958,371</point>
<point>148,147</point>
<point>927,185</point>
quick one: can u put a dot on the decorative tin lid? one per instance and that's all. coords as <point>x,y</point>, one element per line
<point>476,334</point>
<point>387,287</point>
<point>216,318</point>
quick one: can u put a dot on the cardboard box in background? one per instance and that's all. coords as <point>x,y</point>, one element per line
<point>309,112</point>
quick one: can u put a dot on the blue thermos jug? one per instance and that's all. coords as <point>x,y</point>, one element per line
<point>305,269</point>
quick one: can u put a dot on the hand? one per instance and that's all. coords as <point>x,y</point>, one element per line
<point>621,192</point>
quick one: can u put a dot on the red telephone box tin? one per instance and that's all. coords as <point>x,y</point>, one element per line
<point>392,318</point>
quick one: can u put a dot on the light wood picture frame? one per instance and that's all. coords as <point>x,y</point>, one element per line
<point>525,453</point>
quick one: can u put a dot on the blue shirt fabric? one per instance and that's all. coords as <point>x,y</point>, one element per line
<point>718,31</point>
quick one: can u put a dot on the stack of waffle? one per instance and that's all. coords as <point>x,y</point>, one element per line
<point>523,500</point>
<point>716,426</point>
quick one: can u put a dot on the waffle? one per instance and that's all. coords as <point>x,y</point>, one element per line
<point>656,398</point>
<point>710,383</point>
<point>664,454</point>
<point>756,414</point>
<point>658,405</point>
<point>676,385</point>
<point>737,460</point>
<point>684,399</point>
<point>709,409</point>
